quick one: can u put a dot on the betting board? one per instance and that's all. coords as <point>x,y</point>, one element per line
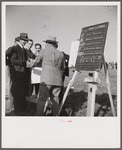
<point>91,47</point>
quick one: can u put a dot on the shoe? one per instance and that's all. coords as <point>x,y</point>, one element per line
<point>48,109</point>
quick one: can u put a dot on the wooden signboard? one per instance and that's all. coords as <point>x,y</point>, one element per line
<point>91,48</point>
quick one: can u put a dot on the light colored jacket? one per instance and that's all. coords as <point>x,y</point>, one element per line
<point>53,65</point>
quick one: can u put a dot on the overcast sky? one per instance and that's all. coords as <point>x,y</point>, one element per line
<point>63,21</point>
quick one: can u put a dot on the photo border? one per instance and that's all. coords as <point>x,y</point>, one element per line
<point>3,85</point>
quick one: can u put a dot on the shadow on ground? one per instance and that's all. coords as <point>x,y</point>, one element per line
<point>76,105</point>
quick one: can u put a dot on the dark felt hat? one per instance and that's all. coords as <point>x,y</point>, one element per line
<point>51,40</point>
<point>24,36</point>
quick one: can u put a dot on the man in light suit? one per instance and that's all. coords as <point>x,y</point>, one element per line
<point>53,66</point>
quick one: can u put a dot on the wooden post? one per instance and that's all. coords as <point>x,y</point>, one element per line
<point>108,87</point>
<point>67,90</point>
<point>92,87</point>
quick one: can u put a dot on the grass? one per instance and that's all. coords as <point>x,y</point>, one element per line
<point>76,101</point>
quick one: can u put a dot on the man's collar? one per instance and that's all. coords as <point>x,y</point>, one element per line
<point>28,49</point>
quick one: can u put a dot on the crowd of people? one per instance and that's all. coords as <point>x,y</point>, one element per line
<point>51,67</point>
<point>110,65</point>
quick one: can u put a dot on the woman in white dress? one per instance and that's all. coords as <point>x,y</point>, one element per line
<point>36,72</point>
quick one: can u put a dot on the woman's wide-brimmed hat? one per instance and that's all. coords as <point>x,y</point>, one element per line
<point>51,39</point>
<point>24,36</point>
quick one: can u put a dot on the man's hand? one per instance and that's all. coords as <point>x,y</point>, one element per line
<point>29,64</point>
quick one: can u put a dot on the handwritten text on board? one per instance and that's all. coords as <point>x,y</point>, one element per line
<point>91,48</point>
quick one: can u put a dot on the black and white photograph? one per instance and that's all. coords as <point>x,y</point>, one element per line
<point>60,74</point>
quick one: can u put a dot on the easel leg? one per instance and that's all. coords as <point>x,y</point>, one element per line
<point>111,101</point>
<point>108,88</point>
<point>67,90</point>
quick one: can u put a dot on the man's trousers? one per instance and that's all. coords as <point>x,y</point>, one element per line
<point>45,92</point>
<point>19,93</point>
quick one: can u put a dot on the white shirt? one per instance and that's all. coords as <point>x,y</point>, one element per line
<point>20,45</point>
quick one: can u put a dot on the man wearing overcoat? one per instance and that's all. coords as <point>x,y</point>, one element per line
<point>19,62</point>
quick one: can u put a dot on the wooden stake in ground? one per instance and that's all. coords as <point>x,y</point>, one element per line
<point>92,87</point>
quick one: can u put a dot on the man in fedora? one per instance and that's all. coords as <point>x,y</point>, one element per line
<point>20,62</point>
<point>51,76</point>
<point>9,70</point>
<point>65,73</point>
